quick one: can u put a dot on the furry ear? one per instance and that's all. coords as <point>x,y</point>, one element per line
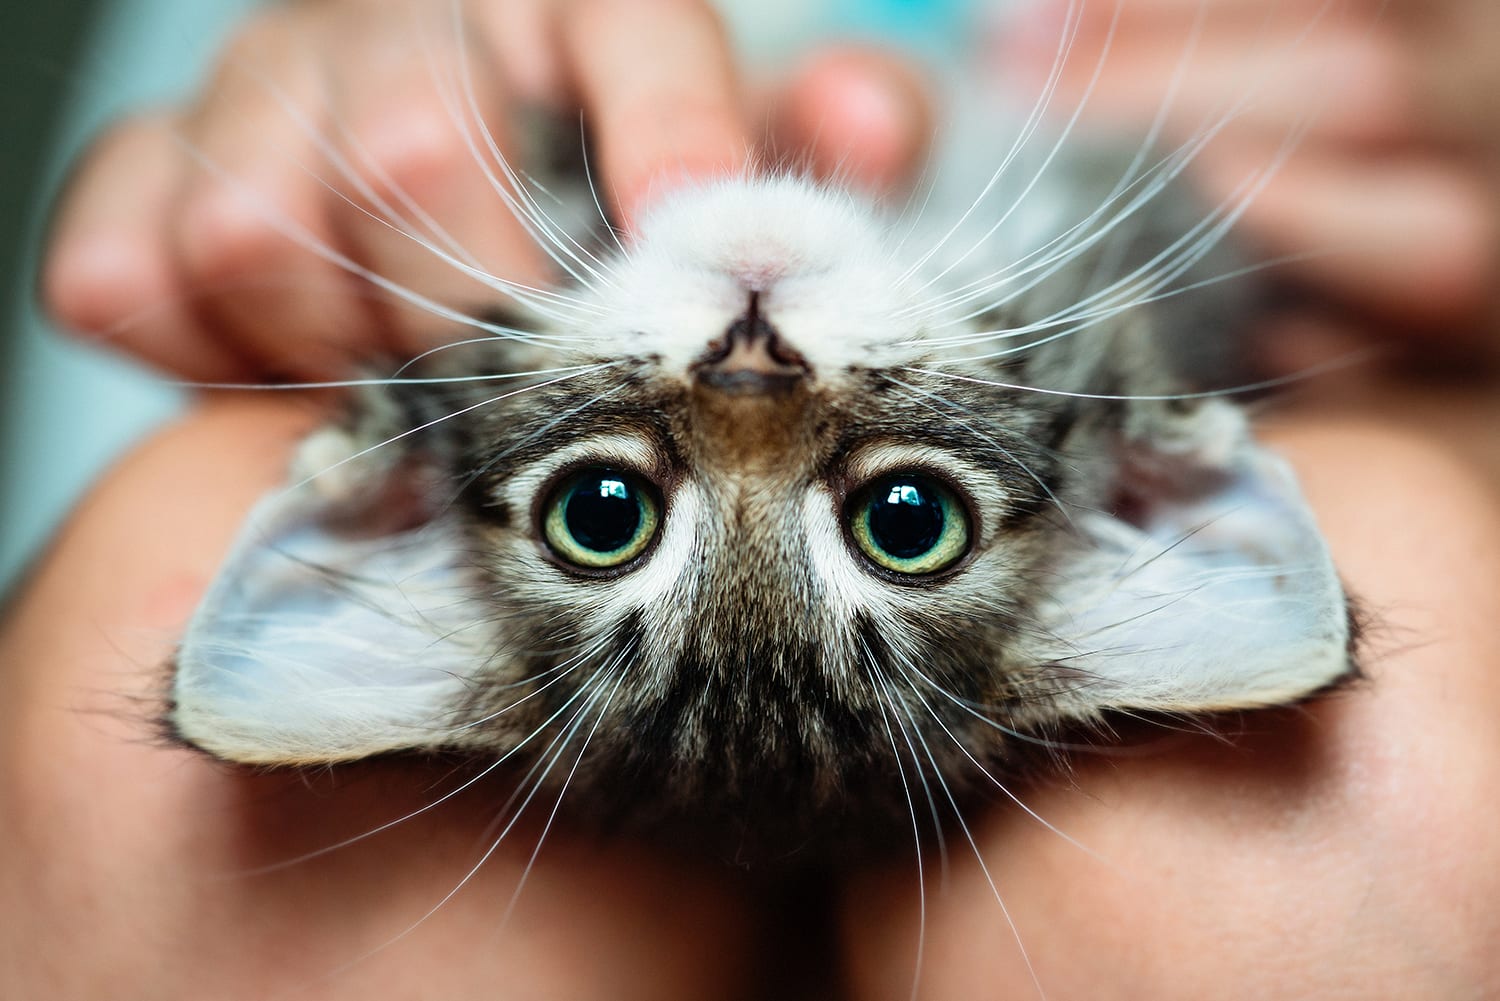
<point>1208,588</point>
<point>341,625</point>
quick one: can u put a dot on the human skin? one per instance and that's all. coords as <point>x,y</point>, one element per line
<point>132,869</point>
<point>1387,205</point>
<point>176,240</point>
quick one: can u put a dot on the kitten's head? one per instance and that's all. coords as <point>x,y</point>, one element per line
<point>768,517</point>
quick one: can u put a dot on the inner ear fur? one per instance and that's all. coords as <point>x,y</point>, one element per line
<point>1203,584</point>
<point>342,623</point>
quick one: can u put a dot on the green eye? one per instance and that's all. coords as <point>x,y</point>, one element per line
<point>910,524</point>
<point>601,518</point>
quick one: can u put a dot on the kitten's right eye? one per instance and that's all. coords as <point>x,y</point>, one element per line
<point>601,518</point>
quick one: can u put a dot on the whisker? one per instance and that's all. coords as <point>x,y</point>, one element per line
<point>969,837</point>
<point>561,742</point>
<point>563,791</point>
<point>283,387</point>
<point>916,834</point>
<point>301,236</point>
<point>384,213</point>
<point>909,668</point>
<point>1064,133</point>
<point>445,797</point>
<point>439,420</point>
<point>1348,360</point>
<point>588,176</point>
<point>551,238</point>
<point>922,395</point>
<point>1073,241</point>
<point>1072,20</point>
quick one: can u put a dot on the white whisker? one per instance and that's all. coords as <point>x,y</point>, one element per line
<point>563,792</point>
<point>283,387</point>
<point>1349,360</point>
<point>969,837</point>
<point>446,417</point>
<point>553,240</point>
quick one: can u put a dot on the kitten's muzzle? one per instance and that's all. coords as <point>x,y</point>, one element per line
<point>751,359</point>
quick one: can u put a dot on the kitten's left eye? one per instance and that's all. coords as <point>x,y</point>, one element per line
<point>910,524</point>
<point>601,518</point>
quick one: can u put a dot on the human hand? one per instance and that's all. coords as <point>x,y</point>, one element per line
<point>1388,205</point>
<point>219,240</point>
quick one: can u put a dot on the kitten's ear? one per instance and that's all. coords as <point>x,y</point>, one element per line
<point>1210,588</point>
<point>340,626</point>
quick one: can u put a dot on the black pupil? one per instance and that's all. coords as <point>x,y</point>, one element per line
<point>906,518</point>
<point>603,512</point>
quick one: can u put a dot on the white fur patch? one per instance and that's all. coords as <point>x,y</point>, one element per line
<point>818,259</point>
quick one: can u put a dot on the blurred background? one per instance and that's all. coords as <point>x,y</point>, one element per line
<point>67,68</point>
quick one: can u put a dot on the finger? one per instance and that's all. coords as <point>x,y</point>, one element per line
<point>1311,340</point>
<point>1337,87</point>
<point>1408,241</point>
<point>523,42</point>
<point>1090,23</point>
<point>1337,84</point>
<point>857,114</point>
<point>426,153</point>
<point>1454,49</point>
<point>253,233</point>
<point>657,81</point>
<point>109,269</point>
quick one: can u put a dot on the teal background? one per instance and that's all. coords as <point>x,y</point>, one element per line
<point>68,409</point>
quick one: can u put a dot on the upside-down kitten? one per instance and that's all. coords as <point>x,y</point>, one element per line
<point>782,504</point>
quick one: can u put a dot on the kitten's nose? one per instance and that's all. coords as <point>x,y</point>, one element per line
<point>751,358</point>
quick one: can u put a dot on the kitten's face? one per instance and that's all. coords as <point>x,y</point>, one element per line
<point>782,529</point>
<point>756,512</point>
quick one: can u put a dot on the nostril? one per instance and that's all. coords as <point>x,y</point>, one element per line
<point>751,357</point>
<point>765,336</point>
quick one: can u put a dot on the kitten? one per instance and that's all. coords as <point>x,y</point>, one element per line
<point>783,504</point>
